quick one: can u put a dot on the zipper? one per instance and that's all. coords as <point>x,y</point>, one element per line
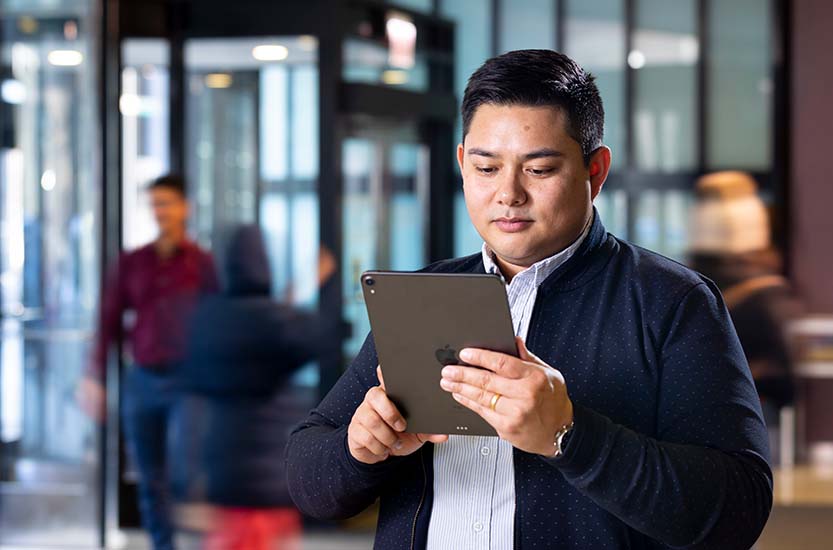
<point>421,499</point>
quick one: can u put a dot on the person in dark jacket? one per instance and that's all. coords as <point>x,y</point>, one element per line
<point>232,422</point>
<point>629,419</point>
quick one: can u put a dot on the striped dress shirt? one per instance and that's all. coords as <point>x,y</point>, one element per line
<point>474,476</point>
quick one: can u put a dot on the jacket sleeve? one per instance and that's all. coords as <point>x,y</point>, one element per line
<point>703,481</point>
<point>324,479</point>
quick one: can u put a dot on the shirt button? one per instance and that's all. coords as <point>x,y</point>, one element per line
<point>477,526</point>
<point>485,451</point>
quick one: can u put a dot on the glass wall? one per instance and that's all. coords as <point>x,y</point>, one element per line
<point>594,35</point>
<point>49,270</point>
<point>527,24</point>
<point>144,106</point>
<point>472,46</point>
<point>664,59</point>
<point>740,85</point>
<point>646,57</point>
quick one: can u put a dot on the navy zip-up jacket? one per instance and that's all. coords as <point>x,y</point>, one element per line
<point>669,448</point>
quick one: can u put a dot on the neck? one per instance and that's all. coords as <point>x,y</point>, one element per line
<point>509,269</point>
<point>167,243</point>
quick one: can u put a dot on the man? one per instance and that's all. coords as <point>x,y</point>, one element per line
<point>160,283</point>
<point>629,420</point>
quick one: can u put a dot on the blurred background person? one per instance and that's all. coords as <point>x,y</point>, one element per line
<point>230,428</point>
<point>159,283</point>
<point>731,244</point>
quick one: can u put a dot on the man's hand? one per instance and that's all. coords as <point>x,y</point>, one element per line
<point>377,429</point>
<point>92,398</point>
<point>533,403</point>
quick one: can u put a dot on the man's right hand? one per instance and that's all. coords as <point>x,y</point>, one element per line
<point>377,429</point>
<point>92,398</point>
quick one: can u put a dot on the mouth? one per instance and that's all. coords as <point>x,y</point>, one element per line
<point>512,225</point>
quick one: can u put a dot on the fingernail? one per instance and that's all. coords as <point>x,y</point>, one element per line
<point>465,354</point>
<point>399,425</point>
<point>445,384</point>
<point>449,372</point>
<point>398,444</point>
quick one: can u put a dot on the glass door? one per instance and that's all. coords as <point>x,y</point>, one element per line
<point>49,272</point>
<point>251,154</point>
<point>385,209</point>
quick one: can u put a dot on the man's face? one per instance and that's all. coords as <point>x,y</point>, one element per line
<point>170,209</point>
<point>528,191</point>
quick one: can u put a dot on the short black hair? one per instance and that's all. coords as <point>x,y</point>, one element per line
<point>174,182</point>
<point>540,78</point>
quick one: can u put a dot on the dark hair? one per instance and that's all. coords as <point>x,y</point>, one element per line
<point>539,78</point>
<point>174,182</point>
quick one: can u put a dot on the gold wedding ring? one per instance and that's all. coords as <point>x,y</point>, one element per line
<point>493,403</point>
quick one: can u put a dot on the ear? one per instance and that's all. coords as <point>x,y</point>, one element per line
<point>461,152</point>
<point>598,169</point>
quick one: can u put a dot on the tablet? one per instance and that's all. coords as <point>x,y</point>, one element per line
<point>420,321</point>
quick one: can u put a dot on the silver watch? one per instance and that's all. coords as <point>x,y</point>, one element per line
<point>559,438</point>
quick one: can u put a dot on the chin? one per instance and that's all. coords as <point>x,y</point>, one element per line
<point>515,255</point>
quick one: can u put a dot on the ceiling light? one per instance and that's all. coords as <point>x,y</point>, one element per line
<point>65,58</point>
<point>308,43</point>
<point>13,91</point>
<point>402,35</point>
<point>270,52</point>
<point>636,59</point>
<point>27,24</point>
<point>218,80</point>
<point>394,77</point>
<point>130,105</point>
<point>48,180</point>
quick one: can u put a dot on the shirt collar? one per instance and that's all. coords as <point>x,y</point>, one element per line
<point>541,269</point>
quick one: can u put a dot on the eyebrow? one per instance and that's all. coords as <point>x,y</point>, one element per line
<point>532,155</point>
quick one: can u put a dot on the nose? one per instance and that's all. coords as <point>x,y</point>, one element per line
<point>511,191</point>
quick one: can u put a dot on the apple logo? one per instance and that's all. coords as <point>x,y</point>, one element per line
<point>446,355</point>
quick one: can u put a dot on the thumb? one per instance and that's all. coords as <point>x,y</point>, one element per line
<point>433,438</point>
<point>523,353</point>
<point>380,377</point>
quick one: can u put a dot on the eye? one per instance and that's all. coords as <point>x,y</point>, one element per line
<point>540,171</point>
<point>487,170</point>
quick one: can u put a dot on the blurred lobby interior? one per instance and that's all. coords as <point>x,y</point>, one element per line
<point>336,122</point>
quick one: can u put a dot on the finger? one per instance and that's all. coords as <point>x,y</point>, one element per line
<point>367,440</point>
<point>380,377</point>
<point>374,423</point>
<point>487,414</point>
<point>487,380</point>
<point>478,395</point>
<point>432,438</point>
<point>379,402</point>
<point>500,363</point>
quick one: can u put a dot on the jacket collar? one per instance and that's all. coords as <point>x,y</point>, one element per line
<point>585,264</point>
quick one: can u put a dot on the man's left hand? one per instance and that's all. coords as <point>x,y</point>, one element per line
<point>533,404</point>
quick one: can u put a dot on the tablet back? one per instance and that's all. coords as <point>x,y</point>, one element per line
<point>420,321</point>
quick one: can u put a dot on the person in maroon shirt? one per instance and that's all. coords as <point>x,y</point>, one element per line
<point>160,283</point>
